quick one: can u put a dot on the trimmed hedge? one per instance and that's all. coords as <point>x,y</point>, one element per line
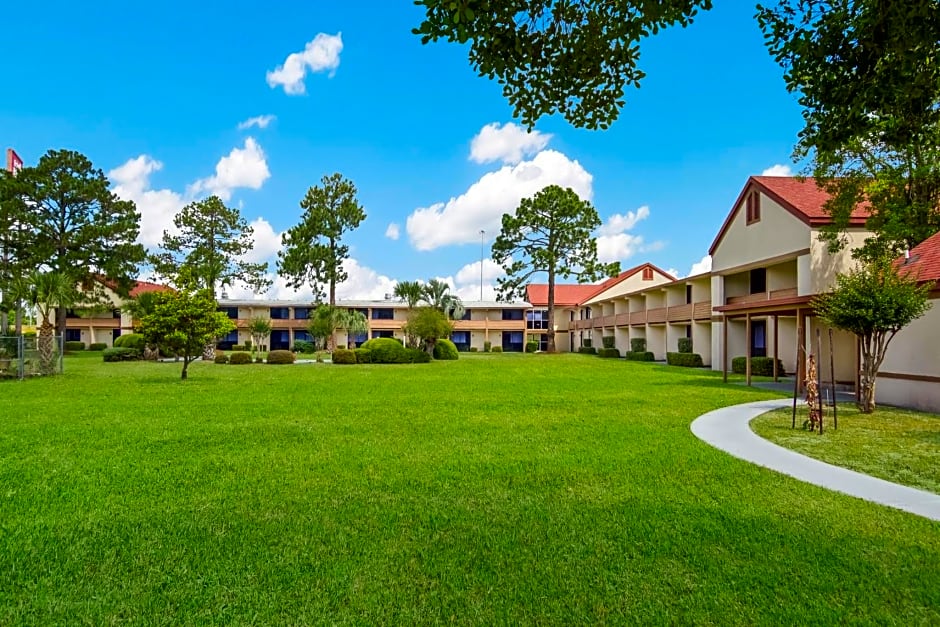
<point>474,349</point>
<point>760,366</point>
<point>685,345</point>
<point>344,356</point>
<point>496,349</point>
<point>586,343</point>
<point>363,355</point>
<point>487,346</point>
<point>75,346</point>
<point>638,345</point>
<point>688,360</point>
<point>221,358</point>
<point>608,341</point>
<point>121,353</point>
<point>639,355</point>
<point>531,346</point>
<point>387,350</point>
<point>130,340</point>
<point>588,350</point>
<point>97,346</point>
<point>608,353</point>
<point>238,348</point>
<point>280,357</point>
<point>304,346</point>
<point>416,356</point>
<point>446,350</point>
<point>240,358</point>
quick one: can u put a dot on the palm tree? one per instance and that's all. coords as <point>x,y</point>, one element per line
<point>327,320</point>
<point>47,291</point>
<point>411,292</point>
<point>437,294</point>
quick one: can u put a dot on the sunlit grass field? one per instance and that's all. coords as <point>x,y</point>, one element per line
<point>497,489</point>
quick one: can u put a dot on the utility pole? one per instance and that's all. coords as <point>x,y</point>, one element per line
<point>482,248</point>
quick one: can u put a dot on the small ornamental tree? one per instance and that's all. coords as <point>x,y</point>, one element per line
<point>184,322</point>
<point>326,321</point>
<point>874,302</point>
<point>428,324</point>
<point>259,328</point>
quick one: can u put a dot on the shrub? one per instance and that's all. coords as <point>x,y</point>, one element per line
<point>586,342</point>
<point>259,359</point>
<point>474,349</point>
<point>341,347</point>
<point>121,353</point>
<point>304,346</point>
<point>587,350</point>
<point>344,356</point>
<point>248,344</point>
<point>689,360</point>
<point>221,358</point>
<point>131,340</point>
<point>97,346</point>
<point>685,345</point>
<point>639,355</point>
<point>280,357</point>
<point>531,346</point>
<point>416,356</point>
<point>608,353</point>
<point>487,346</point>
<point>239,348</point>
<point>608,341</point>
<point>760,366</point>
<point>75,346</point>
<point>240,358</point>
<point>497,349</point>
<point>445,349</point>
<point>363,355</point>
<point>387,350</point>
<point>638,345</point>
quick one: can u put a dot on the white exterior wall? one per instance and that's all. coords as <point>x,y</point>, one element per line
<point>777,234</point>
<point>915,350</point>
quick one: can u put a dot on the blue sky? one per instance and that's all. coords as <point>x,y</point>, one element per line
<point>154,94</point>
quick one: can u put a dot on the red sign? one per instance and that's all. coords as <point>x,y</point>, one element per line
<point>14,163</point>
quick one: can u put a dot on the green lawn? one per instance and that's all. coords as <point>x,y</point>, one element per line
<point>894,444</point>
<point>492,490</point>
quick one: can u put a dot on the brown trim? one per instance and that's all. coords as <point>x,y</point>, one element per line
<point>920,378</point>
<point>769,305</point>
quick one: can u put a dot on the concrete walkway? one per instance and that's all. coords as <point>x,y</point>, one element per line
<point>728,429</point>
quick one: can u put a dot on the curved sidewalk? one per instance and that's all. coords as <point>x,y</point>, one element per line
<point>728,429</point>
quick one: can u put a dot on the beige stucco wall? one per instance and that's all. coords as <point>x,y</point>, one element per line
<point>915,350</point>
<point>778,233</point>
<point>824,266</point>
<point>632,283</point>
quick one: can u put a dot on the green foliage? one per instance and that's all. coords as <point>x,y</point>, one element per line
<point>685,345</point>
<point>639,356</point>
<point>608,353</point>
<point>363,355</point>
<point>221,358</point>
<point>531,346</point>
<point>313,252</point>
<point>386,350</point>
<point>497,349</point>
<point>587,350</point>
<point>428,325</point>
<point>120,354</point>
<point>280,357</point>
<point>240,358</point>
<point>867,77</point>
<point>97,346</point>
<point>305,347</point>
<point>487,346</point>
<point>760,366</point>
<point>445,349</point>
<point>608,341</point>
<point>415,356</point>
<point>689,360</point>
<point>239,348</point>
<point>131,340</point>
<point>437,294</point>
<point>259,327</point>
<point>411,292</point>
<point>474,349</point>
<point>185,322</point>
<point>638,345</point>
<point>74,346</point>
<point>586,342</point>
<point>550,233</point>
<point>572,58</point>
<point>344,356</point>
<point>209,249</point>
<point>874,302</point>
<point>327,320</point>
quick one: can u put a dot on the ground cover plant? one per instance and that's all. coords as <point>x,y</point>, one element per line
<point>495,489</point>
<point>894,444</point>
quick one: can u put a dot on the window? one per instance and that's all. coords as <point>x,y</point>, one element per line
<point>116,314</point>
<point>280,340</point>
<point>231,312</point>
<point>688,294</point>
<point>587,313</point>
<point>571,315</point>
<point>753,207</point>
<point>383,333</point>
<point>302,336</point>
<point>226,343</point>
<point>647,274</point>
<point>758,280</point>
<point>466,315</point>
<point>301,313</point>
<point>357,340</point>
<point>383,313</point>
<point>512,341</point>
<point>758,338</point>
<point>536,319</point>
<point>73,335</point>
<point>461,340</point>
<point>512,314</point>
<point>364,312</point>
<point>280,313</point>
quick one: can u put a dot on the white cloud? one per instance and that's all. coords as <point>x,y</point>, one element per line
<point>157,207</point>
<point>393,231</point>
<point>673,272</point>
<point>614,243</point>
<point>778,170</point>
<point>266,241</point>
<point>618,223</point>
<point>321,54</point>
<point>470,273</point>
<point>459,220</point>
<point>702,266</point>
<point>261,121</point>
<point>243,167</point>
<point>508,143</point>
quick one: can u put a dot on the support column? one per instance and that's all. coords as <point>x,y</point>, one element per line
<point>775,319</point>
<point>724,348</point>
<point>747,353</point>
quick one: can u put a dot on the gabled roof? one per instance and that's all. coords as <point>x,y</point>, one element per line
<point>924,261</point>
<point>141,287</point>
<point>799,196</point>
<point>575,294</point>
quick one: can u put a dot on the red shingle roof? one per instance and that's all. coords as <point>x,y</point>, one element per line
<point>141,287</point>
<point>571,295</point>
<point>924,261</point>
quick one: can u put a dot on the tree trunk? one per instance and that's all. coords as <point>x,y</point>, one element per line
<point>60,321</point>
<point>46,348</point>
<point>866,397</point>
<point>185,367</point>
<point>551,311</point>
<point>208,352</point>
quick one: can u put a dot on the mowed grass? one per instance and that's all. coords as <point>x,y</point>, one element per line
<point>894,444</point>
<point>512,489</point>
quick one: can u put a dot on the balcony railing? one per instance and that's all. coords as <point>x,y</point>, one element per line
<point>657,314</point>
<point>638,317</point>
<point>761,297</point>
<point>679,313</point>
<point>702,310</point>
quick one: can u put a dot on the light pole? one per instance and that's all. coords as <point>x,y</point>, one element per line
<point>482,246</point>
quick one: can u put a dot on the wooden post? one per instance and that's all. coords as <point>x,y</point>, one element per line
<point>819,402</point>
<point>796,376</point>
<point>832,375</point>
<point>724,348</point>
<point>776,337</point>
<point>747,353</point>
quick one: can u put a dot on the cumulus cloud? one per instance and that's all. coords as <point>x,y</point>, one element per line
<point>393,231</point>
<point>243,167</point>
<point>459,220</point>
<point>509,143</point>
<point>266,241</point>
<point>261,121</point>
<point>157,207</point>
<point>701,266</point>
<point>614,243</point>
<point>470,273</point>
<point>321,54</point>
<point>778,169</point>
<point>618,223</point>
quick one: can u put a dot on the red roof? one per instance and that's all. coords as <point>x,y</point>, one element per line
<point>800,196</point>
<point>924,260</point>
<point>141,287</point>
<point>570,295</point>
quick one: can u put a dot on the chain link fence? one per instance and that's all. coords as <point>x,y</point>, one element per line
<point>22,357</point>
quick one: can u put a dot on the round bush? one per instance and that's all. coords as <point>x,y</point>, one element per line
<point>363,356</point>
<point>496,349</point>
<point>416,356</point>
<point>387,350</point>
<point>531,346</point>
<point>304,346</point>
<point>240,358</point>
<point>75,346</point>
<point>344,356</point>
<point>130,340</point>
<point>221,358</point>
<point>445,349</point>
<point>280,357</point>
<point>121,353</point>
<point>97,346</point>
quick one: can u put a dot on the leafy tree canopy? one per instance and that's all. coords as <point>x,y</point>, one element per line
<point>557,56</point>
<point>411,292</point>
<point>428,324</point>
<point>327,320</point>
<point>313,253</point>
